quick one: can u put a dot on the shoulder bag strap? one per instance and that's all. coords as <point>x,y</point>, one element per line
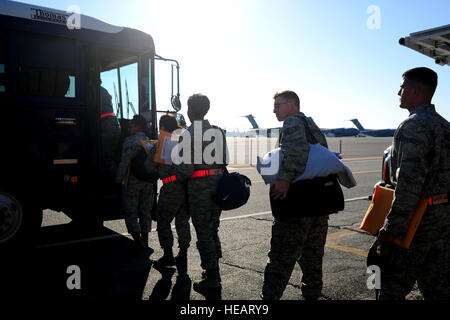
<point>309,137</point>
<point>224,166</point>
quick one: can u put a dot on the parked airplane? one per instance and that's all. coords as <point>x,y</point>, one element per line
<point>329,132</point>
<point>335,132</point>
<point>339,132</point>
<point>373,132</point>
<point>268,132</point>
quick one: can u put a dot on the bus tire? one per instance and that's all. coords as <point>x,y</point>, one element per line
<point>19,222</point>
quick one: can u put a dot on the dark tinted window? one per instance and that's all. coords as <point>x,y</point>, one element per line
<point>4,66</point>
<point>46,65</point>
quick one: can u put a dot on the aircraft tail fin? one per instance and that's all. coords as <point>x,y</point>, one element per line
<point>252,120</point>
<point>357,124</point>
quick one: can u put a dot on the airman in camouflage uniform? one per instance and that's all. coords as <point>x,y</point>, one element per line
<point>204,210</point>
<point>137,195</point>
<point>420,168</point>
<point>295,238</point>
<point>172,204</point>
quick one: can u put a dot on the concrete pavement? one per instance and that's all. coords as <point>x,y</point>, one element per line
<point>111,268</point>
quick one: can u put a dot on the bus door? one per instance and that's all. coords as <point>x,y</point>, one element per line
<point>112,85</point>
<point>48,115</point>
<point>119,102</point>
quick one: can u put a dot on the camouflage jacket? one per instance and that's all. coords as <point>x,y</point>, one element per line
<point>294,145</point>
<point>130,149</point>
<point>197,148</point>
<point>420,167</point>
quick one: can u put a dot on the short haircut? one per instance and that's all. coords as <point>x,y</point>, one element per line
<point>288,95</point>
<point>169,122</point>
<point>198,104</point>
<point>139,121</point>
<point>423,77</point>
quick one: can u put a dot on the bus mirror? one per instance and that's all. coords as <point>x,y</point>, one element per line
<point>176,104</point>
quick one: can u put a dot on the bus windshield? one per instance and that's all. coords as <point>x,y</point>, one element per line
<point>120,77</point>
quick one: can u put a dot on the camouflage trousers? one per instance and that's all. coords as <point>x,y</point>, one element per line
<point>301,240</point>
<point>172,205</point>
<point>205,213</point>
<point>426,262</point>
<point>137,200</point>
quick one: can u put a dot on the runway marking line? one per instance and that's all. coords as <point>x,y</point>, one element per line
<point>362,159</point>
<point>126,234</point>
<point>356,199</point>
<point>346,249</point>
<point>248,166</point>
<point>356,172</point>
<point>367,171</point>
<point>339,234</point>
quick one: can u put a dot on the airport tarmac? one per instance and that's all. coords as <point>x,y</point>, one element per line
<point>111,268</point>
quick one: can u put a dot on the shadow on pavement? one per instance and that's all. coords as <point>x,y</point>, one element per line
<point>162,288</point>
<point>110,268</point>
<point>181,291</point>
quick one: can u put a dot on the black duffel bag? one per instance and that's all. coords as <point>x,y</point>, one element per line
<point>138,170</point>
<point>310,198</point>
<point>233,190</point>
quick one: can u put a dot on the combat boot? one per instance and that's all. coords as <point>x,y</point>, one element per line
<point>218,272</point>
<point>210,286</point>
<point>181,261</point>
<point>210,281</point>
<point>167,260</point>
<point>138,240</point>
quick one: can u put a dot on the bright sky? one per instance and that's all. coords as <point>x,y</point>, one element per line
<point>240,52</point>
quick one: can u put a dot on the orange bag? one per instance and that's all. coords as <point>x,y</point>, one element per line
<point>162,141</point>
<point>378,210</point>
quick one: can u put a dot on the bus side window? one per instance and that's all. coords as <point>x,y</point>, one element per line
<point>4,66</point>
<point>2,78</point>
<point>46,66</point>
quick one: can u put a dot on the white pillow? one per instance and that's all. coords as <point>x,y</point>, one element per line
<point>321,163</point>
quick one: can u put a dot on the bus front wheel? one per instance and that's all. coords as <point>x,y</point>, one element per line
<point>18,222</point>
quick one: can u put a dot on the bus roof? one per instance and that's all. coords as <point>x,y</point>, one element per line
<point>434,43</point>
<point>90,29</point>
<point>39,13</point>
